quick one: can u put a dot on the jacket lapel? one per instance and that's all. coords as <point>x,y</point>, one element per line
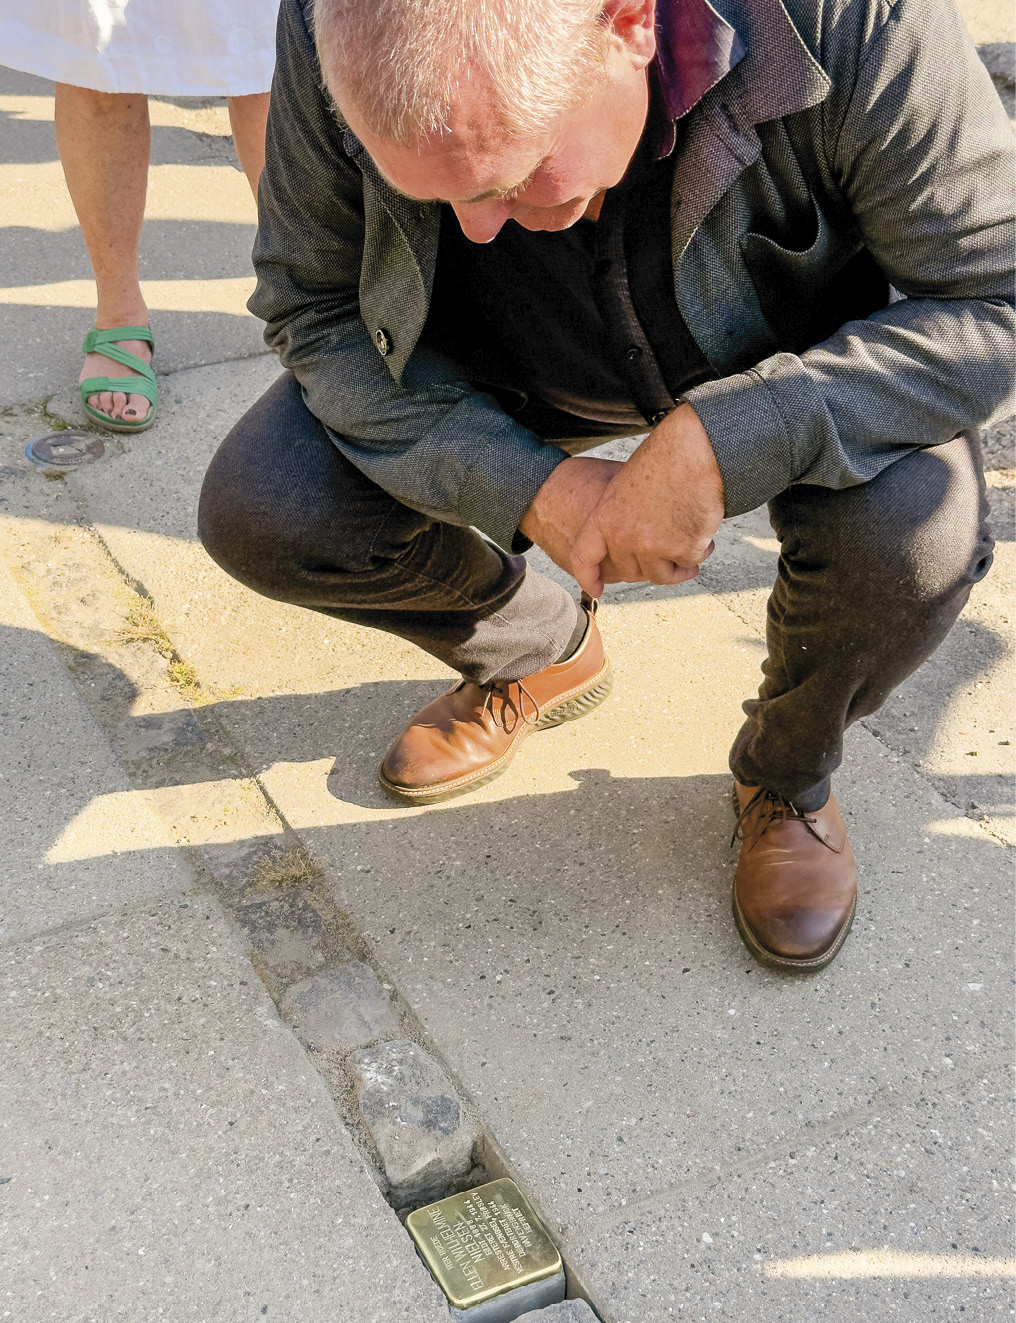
<point>778,76</point>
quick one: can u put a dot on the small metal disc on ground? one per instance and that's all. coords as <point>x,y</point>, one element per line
<point>59,452</point>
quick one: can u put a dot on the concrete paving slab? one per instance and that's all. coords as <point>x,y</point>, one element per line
<point>565,935</point>
<point>59,863</point>
<point>169,1152</point>
<point>145,502</point>
<point>905,1216</point>
<point>988,20</point>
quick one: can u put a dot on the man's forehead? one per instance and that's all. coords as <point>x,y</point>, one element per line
<point>476,156</point>
<point>453,167</point>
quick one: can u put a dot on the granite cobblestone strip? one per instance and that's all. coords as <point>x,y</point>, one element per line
<point>416,1134</point>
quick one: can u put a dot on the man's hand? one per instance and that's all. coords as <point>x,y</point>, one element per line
<point>564,503</point>
<point>655,522</point>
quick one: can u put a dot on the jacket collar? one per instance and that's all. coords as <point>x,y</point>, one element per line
<point>751,44</point>
<point>695,48</point>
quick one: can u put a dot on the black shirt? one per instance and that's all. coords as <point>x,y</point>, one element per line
<point>583,320</point>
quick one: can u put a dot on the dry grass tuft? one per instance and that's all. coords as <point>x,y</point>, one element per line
<point>144,626</point>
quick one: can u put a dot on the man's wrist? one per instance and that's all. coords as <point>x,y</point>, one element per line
<point>577,482</point>
<point>531,522</point>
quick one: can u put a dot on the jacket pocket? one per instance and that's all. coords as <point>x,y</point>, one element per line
<point>807,293</point>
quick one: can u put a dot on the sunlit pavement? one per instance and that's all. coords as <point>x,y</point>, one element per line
<point>704,1139</point>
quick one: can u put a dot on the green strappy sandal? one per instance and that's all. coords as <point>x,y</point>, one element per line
<point>104,342</point>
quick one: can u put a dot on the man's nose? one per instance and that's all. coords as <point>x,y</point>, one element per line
<point>481,221</point>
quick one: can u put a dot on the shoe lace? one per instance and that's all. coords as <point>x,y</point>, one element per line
<point>509,704</point>
<point>773,808</point>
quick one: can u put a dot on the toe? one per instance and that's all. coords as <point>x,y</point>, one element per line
<point>106,402</point>
<point>136,409</point>
<point>119,400</point>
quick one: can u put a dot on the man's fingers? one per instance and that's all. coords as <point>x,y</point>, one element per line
<point>625,569</point>
<point>594,562</point>
<point>621,569</point>
<point>591,582</point>
<point>588,577</point>
<point>667,572</point>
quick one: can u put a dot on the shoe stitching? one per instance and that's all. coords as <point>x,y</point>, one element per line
<point>788,961</point>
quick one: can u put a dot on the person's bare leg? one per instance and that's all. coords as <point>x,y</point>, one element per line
<point>104,142</point>
<point>248,116</point>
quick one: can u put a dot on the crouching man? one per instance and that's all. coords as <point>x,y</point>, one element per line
<point>493,235</point>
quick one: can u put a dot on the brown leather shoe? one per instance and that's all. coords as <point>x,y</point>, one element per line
<point>469,735</point>
<point>795,888</point>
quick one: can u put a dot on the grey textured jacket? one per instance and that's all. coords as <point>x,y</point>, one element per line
<point>859,142</point>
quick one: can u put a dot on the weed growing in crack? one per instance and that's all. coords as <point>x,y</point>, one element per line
<point>143,626</point>
<point>184,678</point>
<point>282,869</point>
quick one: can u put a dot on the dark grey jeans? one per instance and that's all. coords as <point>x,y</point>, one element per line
<point>870,578</point>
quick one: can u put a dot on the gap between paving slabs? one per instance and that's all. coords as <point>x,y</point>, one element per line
<point>418,1134</point>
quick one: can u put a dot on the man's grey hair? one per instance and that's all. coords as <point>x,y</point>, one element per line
<point>402,62</point>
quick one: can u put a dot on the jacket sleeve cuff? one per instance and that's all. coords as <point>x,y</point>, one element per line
<point>498,492</point>
<point>753,445</point>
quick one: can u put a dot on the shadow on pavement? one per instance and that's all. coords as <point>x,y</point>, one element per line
<point>170,250</point>
<point>354,727</point>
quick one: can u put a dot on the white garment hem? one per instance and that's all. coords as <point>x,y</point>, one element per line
<point>148,78</point>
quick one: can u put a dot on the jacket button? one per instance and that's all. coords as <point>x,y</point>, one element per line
<point>632,353</point>
<point>383,341</point>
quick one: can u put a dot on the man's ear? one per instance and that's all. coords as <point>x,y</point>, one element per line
<point>633,24</point>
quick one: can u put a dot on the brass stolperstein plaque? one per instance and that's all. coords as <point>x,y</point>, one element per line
<point>483,1242</point>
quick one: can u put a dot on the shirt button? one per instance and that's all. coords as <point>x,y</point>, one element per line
<point>632,353</point>
<point>383,341</point>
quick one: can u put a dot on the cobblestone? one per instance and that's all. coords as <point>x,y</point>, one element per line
<point>569,1311</point>
<point>286,933</point>
<point>423,1137</point>
<point>343,1008</point>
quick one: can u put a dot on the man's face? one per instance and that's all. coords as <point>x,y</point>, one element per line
<point>545,181</point>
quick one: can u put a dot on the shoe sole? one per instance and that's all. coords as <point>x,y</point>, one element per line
<point>570,710</point>
<point>114,426</point>
<point>785,964</point>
